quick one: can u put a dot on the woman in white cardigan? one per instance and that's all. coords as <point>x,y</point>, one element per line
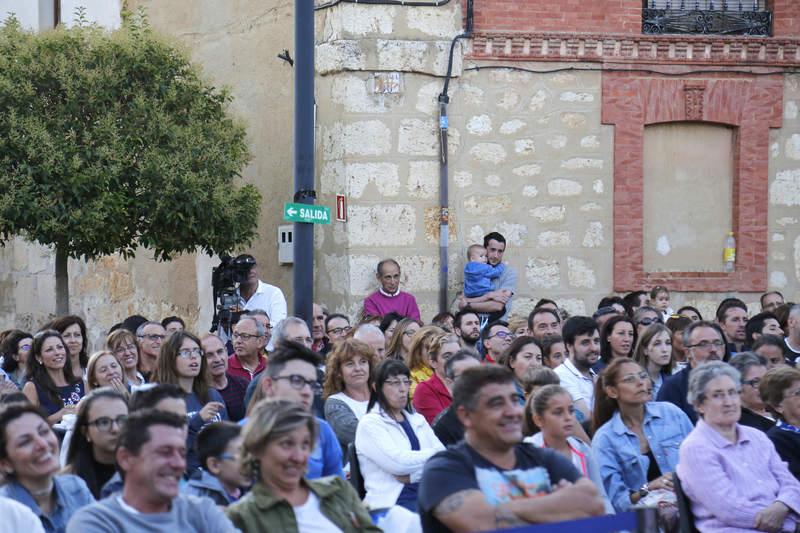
<point>393,442</point>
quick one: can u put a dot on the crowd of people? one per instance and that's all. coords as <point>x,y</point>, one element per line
<point>480,420</point>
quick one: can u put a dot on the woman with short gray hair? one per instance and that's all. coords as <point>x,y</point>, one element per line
<point>722,457</point>
<point>752,367</point>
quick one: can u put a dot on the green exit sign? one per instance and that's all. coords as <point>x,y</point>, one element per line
<point>312,214</point>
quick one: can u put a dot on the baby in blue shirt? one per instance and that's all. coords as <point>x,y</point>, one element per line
<point>478,273</point>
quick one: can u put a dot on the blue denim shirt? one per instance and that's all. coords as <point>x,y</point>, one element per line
<point>71,494</point>
<point>616,449</point>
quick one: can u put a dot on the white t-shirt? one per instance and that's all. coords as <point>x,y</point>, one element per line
<point>579,386</point>
<point>358,407</point>
<point>18,517</point>
<point>311,520</point>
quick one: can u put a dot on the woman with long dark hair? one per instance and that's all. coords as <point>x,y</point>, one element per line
<point>617,339</point>
<point>522,354</point>
<point>182,362</point>
<point>52,385</point>
<point>90,454</point>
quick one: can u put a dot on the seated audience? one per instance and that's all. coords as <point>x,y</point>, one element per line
<point>780,390</point>
<point>399,346</point>
<point>765,323</point>
<point>432,395</point>
<point>676,324</point>
<point>29,462</point>
<point>231,388</point>
<point>518,326</point>
<point>692,313</point>
<point>337,327</point>
<point>52,384</point>
<point>553,351</point>
<point>752,368</point>
<point>552,412</point>
<point>636,441</point>
<point>535,379</point>
<point>249,340</point>
<point>150,335</point>
<point>292,375</point>
<point>393,442</point>
<point>419,361</point>
<point>374,338</point>
<point>151,454</point>
<point>388,324</point>
<point>90,449</point>
<point>654,353</point>
<point>348,381</point>
<point>18,517</point>
<point>182,362</point>
<point>14,349</point>
<point>544,322</point>
<point>523,354</point>
<point>277,441</point>
<point>172,324</point>
<point>582,341</point>
<point>644,316</point>
<point>492,480</point>
<point>122,343</point>
<point>446,425</point>
<point>617,339</point>
<point>219,477</point>
<point>445,321</point>
<point>731,473</point>
<point>771,348</point>
<point>389,298</point>
<point>104,370</point>
<point>496,338</point>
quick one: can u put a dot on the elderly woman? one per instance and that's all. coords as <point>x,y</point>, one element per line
<point>780,389</point>
<point>636,441</point>
<point>277,442</point>
<point>348,379</point>
<point>752,368</point>
<point>393,442</point>
<point>432,396</point>
<point>29,462</point>
<point>732,473</point>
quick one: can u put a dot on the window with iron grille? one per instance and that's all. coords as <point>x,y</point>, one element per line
<point>720,17</point>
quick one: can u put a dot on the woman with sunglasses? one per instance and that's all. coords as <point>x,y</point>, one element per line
<point>643,317</point>
<point>52,385</point>
<point>636,441</point>
<point>393,442</point>
<point>15,348</point>
<point>90,452</point>
<point>182,362</point>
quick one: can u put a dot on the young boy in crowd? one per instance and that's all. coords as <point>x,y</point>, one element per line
<point>478,273</point>
<point>219,476</point>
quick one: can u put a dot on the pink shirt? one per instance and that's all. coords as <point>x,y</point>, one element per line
<point>376,304</point>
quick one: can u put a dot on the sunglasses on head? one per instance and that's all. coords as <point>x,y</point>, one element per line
<point>647,321</point>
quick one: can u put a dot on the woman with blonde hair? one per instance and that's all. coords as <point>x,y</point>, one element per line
<point>400,343</point>
<point>122,343</point>
<point>348,381</point>
<point>276,444</point>
<point>104,370</point>
<point>419,356</point>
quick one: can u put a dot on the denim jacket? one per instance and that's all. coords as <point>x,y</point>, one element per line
<point>616,449</point>
<point>71,494</point>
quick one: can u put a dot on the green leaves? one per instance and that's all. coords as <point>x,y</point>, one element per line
<point>109,141</point>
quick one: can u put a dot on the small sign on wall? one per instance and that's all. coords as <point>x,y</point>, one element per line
<point>341,208</point>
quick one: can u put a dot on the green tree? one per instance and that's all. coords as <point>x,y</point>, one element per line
<point>112,140</point>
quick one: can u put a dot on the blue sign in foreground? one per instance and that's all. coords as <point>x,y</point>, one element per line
<point>603,524</point>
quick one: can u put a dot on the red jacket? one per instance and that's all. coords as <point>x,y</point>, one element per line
<point>431,398</point>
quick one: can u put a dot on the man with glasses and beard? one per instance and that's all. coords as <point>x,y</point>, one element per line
<point>496,338</point>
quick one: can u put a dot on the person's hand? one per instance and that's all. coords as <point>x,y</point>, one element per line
<point>210,410</point>
<point>662,483</point>
<point>771,518</point>
<point>462,302</point>
<point>118,386</point>
<point>564,483</point>
<point>7,387</point>
<point>502,296</point>
<point>582,497</point>
<point>404,479</point>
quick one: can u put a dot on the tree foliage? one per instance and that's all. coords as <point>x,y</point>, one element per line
<point>112,140</point>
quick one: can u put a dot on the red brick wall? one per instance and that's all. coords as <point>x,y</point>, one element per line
<point>753,105</point>
<point>786,14</point>
<point>592,16</point>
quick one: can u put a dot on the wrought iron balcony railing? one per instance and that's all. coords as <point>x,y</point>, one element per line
<point>721,17</point>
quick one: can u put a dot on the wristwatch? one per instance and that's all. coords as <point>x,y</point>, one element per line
<point>644,491</point>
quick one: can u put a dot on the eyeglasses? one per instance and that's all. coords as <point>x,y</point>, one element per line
<point>751,382</point>
<point>339,331</point>
<point>104,423</point>
<point>245,336</point>
<point>298,382</point>
<point>122,349</point>
<point>187,353</point>
<point>24,347</point>
<point>633,378</point>
<point>705,345</point>
<point>398,383</point>
<point>647,321</point>
<point>502,335</point>
<point>153,337</point>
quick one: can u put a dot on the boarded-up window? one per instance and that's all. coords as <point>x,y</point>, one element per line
<point>688,181</point>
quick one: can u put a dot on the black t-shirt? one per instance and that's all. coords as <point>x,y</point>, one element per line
<point>461,468</point>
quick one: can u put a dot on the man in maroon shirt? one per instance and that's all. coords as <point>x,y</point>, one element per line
<point>249,339</point>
